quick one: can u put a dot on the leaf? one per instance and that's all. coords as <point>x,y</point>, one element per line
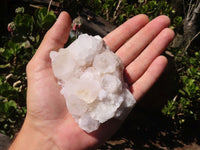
<point>37,38</point>
<point>19,10</point>
<point>44,19</point>
<point>24,24</point>
<point>48,21</point>
<point>4,66</point>
<point>182,92</point>
<point>9,104</point>
<point>140,1</point>
<point>2,50</point>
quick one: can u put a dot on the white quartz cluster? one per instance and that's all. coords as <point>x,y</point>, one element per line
<point>92,83</point>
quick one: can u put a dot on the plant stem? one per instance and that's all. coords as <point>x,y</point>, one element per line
<point>49,6</point>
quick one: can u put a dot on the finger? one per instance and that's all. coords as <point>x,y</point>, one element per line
<point>142,85</point>
<point>56,37</point>
<point>120,35</point>
<point>130,50</point>
<point>135,69</point>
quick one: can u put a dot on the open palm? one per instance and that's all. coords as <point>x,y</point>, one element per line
<point>137,42</point>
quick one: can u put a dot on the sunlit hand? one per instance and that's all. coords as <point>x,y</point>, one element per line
<point>48,125</point>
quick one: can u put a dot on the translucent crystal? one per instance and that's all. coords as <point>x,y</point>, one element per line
<point>111,83</point>
<point>87,91</point>
<point>105,62</point>
<point>91,77</point>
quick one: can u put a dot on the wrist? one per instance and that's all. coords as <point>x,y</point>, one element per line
<point>32,139</point>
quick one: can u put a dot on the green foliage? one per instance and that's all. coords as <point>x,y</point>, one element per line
<point>11,114</point>
<point>44,19</point>
<point>186,105</point>
<point>119,11</point>
<point>19,10</point>
<point>27,32</point>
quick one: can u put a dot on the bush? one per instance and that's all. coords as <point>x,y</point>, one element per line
<point>118,12</point>
<point>26,33</point>
<point>185,107</point>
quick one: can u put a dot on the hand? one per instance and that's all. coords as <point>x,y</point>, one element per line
<point>48,125</point>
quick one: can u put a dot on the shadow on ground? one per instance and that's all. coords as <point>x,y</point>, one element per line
<point>152,131</point>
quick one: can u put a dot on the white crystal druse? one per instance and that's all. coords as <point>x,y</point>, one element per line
<point>92,82</point>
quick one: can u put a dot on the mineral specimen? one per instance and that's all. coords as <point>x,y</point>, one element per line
<point>92,82</point>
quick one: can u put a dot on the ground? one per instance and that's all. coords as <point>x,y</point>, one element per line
<point>145,130</point>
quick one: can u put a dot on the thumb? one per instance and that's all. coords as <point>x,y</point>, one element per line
<point>55,38</point>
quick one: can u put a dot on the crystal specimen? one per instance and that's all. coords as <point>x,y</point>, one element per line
<point>92,82</point>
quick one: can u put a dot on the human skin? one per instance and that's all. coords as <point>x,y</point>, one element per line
<point>48,125</point>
